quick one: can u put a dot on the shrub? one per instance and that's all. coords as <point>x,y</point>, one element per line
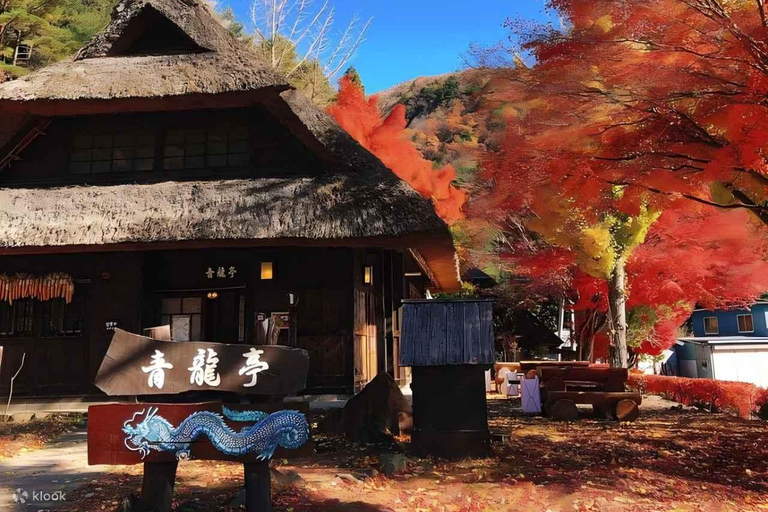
<point>739,398</point>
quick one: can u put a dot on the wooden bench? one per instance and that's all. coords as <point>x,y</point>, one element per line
<point>525,366</point>
<point>580,378</point>
<point>623,406</point>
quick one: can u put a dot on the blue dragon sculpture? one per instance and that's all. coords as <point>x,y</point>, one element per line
<point>288,429</point>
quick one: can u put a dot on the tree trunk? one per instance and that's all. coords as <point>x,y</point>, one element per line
<point>617,301</point>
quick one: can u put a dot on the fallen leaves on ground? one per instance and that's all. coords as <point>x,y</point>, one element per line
<point>671,460</point>
<point>16,438</point>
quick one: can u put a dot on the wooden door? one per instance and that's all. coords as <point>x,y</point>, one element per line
<point>323,320</point>
<point>365,338</point>
<point>223,317</point>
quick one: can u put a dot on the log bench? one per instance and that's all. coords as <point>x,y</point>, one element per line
<point>623,406</point>
<point>580,378</point>
<point>525,366</point>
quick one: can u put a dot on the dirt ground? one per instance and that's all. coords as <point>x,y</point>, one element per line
<point>672,459</point>
<point>18,438</point>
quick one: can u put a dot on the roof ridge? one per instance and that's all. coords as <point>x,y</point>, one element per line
<point>194,18</point>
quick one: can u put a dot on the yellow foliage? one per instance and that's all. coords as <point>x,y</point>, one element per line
<point>604,23</point>
<point>720,194</point>
<point>594,84</point>
<point>598,246</point>
<point>630,231</point>
<point>598,254</point>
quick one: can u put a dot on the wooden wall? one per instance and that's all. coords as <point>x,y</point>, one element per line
<point>447,332</point>
<point>111,287</point>
<point>366,333</point>
<point>274,151</point>
<point>378,314</point>
<point>320,278</point>
<point>351,330</point>
<point>127,288</point>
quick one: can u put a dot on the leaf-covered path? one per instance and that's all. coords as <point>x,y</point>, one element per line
<point>671,460</point>
<point>59,467</point>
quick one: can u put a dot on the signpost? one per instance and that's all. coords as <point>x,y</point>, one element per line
<point>159,435</point>
<point>136,365</point>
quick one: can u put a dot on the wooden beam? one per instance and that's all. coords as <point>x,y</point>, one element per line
<point>37,129</point>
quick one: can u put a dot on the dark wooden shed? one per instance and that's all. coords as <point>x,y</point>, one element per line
<point>449,344</point>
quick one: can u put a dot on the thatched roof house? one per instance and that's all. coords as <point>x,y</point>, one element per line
<point>355,196</point>
<point>164,70</point>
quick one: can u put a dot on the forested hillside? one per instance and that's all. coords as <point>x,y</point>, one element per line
<point>53,29</point>
<point>456,119</point>
<point>445,121</point>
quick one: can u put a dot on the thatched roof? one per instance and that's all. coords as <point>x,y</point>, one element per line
<point>138,77</point>
<point>314,208</point>
<point>357,201</point>
<point>194,18</point>
<point>99,71</point>
<point>346,210</point>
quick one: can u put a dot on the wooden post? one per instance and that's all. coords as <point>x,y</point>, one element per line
<point>258,486</point>
<point>157,487</point>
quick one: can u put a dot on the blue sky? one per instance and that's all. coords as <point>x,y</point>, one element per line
<point>411,38</point>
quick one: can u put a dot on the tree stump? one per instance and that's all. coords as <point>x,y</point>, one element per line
<point>564,410</point>
<point>627,410</point>
<point>555,384</point>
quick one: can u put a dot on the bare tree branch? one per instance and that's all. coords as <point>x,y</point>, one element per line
<point>286,26</point>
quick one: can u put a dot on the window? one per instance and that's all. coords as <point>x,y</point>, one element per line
<point>59,319</point>
<point>710,325</point>
<point>17,320</point>
<point>29,318</point>
<point>113,152</point>
<point>210,147</point>
<point>185,316</point>
<point>745,323</point>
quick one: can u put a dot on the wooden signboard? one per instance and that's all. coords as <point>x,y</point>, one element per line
<point>161,435</point>
<point>115,433</point>
<point>136,365</point>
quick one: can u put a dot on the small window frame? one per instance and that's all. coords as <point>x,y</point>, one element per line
<point>751,321</point>
<point>121,151</point>
<point>717,325</point>
<point>191,307</point>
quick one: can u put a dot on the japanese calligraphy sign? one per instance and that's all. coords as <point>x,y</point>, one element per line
<point>136,365</point>
<point>221,272</point>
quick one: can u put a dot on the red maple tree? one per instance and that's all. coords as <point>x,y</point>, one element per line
<point>634,151</point>
<point>680,86</point>
<point>386,137</point>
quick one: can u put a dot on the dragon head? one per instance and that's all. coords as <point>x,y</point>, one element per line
<point>139,436</point>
